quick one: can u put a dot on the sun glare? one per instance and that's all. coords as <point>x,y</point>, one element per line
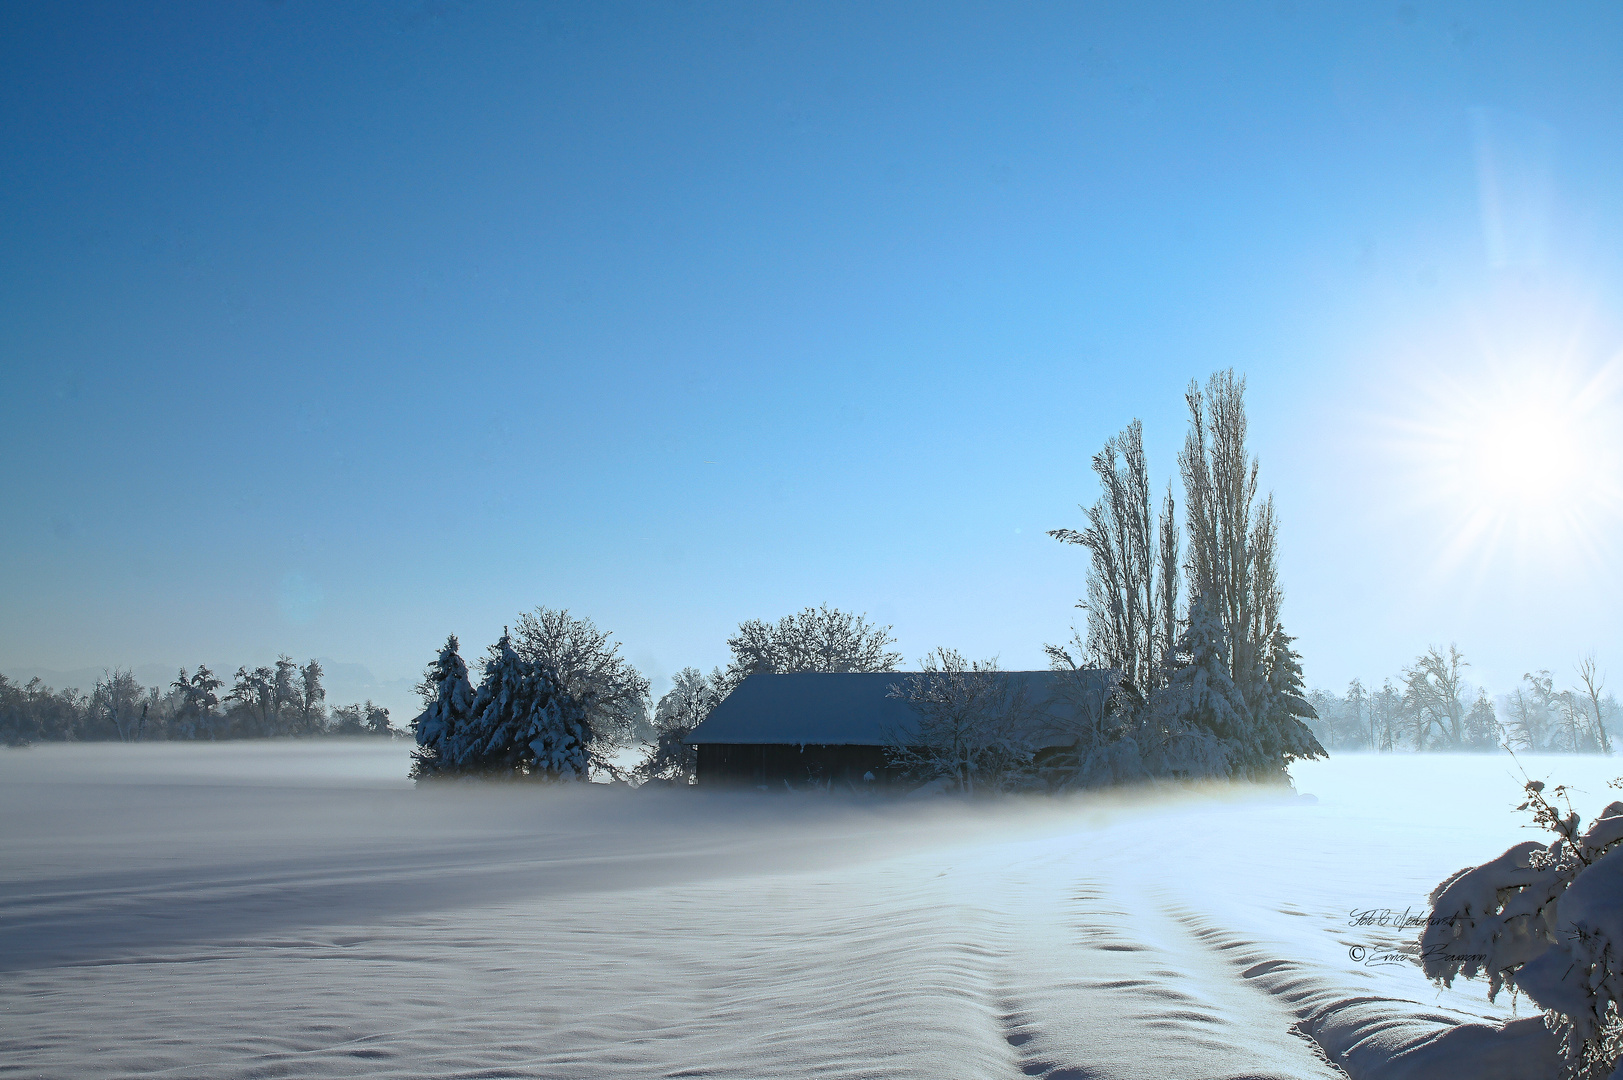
<point>1526,464</point>
<point>1521,456</point>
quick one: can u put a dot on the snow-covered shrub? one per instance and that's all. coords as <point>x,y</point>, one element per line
<point>1546,921</point>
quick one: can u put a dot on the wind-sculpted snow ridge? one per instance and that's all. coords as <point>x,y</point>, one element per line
<point>321,926</point>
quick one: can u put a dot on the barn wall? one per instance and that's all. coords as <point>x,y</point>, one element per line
<point>772,765</point>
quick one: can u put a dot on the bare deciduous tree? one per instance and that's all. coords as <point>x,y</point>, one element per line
<point>975,723</point>
<point>1594,683</point>
<point>116,700</point>
<point>591,668</point>
<point>1220,495</point>
<point>1433,693</point>
<point>821,639</point>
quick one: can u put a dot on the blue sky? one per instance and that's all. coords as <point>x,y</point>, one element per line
<point>333,329</point>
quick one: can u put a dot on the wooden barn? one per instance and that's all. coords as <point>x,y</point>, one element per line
<point>777,730</point>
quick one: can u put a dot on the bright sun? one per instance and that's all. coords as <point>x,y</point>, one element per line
<point>1517,456</point>
<point>1526,464</point>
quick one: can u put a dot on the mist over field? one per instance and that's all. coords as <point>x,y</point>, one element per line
<point>299,909</point>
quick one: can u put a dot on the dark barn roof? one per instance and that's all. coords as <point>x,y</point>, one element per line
<point>850,709</point>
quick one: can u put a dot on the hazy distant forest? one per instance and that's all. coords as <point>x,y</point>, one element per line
<point>1431,706</point>
<point>1181,615</point>
<point>262,702</point>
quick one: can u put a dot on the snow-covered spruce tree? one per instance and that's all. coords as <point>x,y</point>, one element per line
<point>524,722</point>
<point>681,709</point>
<point>1202,725</point>
<point>1546,921</point>
<point>447,704</point>
<point>1285,712</point>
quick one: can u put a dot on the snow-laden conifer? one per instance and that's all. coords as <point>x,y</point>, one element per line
<point>1205,726</point>
<point>448,703</point>
<point>1284,712</point>
<point>523,723</point>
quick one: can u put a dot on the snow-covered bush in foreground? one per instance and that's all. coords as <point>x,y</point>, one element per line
<point>1546,921</point>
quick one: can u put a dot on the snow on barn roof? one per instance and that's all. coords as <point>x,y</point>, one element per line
<point>849,708</point>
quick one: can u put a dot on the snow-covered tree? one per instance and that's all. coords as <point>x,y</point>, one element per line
<point>311,698</point>
<point>681,709</point>
<point>1227,528</point>
<point>524,722</point>
<point>1095,739</point>
<point>1343,720</point>
<point>377,720</point>
<point>1385,716</point>
<point>1434,696</point>
<point>1482,728</point>
<point>1284,711</point>
<point>589,664</point>
<point>115,703</point>
<point>975,725</point>
<point>1202,724</point>
<point>287,700</point>
<point>254,691</point>
<point>447,705</point>
<point>1132,582</point>
<point>1546,921</point>
<point>1593,684</point>
<point>196,701</point>
<point>820,639</point>
<point>1173,711</point>
<point>1535,712</point>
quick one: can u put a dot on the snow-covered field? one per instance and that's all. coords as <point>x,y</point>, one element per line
<point>298,909</point>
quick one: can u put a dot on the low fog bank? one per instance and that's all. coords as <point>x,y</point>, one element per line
<point>119,849</point>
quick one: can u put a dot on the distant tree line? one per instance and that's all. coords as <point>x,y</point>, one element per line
<point>284,699</point>
<point>1430,706</point>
